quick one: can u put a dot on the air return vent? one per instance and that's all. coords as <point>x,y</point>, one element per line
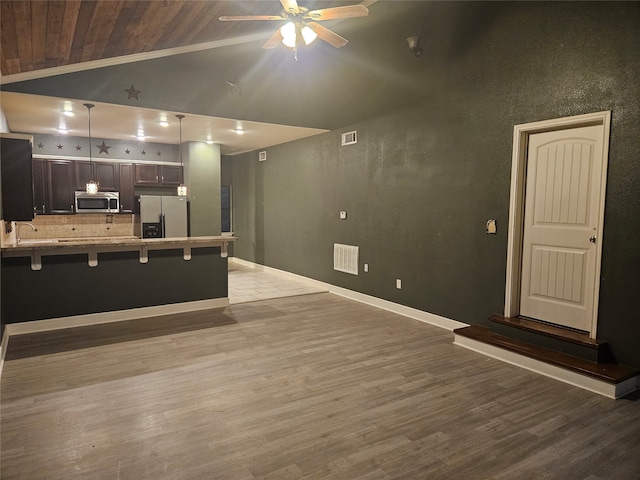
<point>345,258</point>
<point>349,138</point>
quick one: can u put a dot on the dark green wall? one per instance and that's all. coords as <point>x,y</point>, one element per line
<point>421,183</point>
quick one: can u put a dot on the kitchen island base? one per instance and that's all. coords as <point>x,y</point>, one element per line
<point>67,287</point>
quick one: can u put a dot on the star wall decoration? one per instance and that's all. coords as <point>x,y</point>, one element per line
<point>40,145</point>
<point>133,93</point>
<point>78,147</point>
<point>59,147</point>
<point>235,85</point>
<point>159,153</point>
<point>127,151</point>
<point>103,148</point>
<point>143,152</point>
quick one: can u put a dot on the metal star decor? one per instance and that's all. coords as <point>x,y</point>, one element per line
<point>103,148</point>
<point>127,151</point>
<point>143,152</point>
<point>40,145</point>
<point>133,93</point>
<point>59,147</point>
<point>78,147</point>
<point>235,85</point>
<point>159,153</point>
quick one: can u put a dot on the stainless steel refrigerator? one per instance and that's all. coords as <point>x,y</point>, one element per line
<point>164,216</point>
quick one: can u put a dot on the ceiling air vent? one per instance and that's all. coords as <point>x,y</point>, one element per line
<point>262,156</point>
<point>349,138</point>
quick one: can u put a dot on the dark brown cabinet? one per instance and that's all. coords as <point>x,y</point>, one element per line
<point>170,175</point>
<point>105,174</point>
<point>17,187</point>
<point>147,174</point>
<point>39,185</point>
<point>157,175</point>
<point>127,191</point>
<point>60,180</point>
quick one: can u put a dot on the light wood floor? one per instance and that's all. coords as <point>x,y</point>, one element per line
<point>313,386</point>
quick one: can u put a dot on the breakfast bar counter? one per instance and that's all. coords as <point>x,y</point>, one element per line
<point>36,249</point>
<point>81,278</point>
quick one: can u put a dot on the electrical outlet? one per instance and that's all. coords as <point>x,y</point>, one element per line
<point>398,283</point>
<point>343,215</point>
<point>366,267</point>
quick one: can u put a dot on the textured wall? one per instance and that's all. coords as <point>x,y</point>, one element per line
<point>421,183</point>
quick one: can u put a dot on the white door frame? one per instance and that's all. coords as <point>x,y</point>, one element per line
<point>516,203</point>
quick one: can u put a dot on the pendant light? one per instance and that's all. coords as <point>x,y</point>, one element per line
<point>182,188</point>
<point>92,186</point>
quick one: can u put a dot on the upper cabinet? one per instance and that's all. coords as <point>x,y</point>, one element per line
<point>60,181</point>
<point>17,186</point>
<point>157,175</point>
<point>105,174</point>
<point>52,183</point>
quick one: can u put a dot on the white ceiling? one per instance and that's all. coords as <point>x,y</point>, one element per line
<point>33,114</point>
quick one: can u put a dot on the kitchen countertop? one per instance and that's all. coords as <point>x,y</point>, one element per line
<point>123,242</point>
<point>37,248</point>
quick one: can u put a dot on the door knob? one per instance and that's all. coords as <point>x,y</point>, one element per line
<point>592,239</point>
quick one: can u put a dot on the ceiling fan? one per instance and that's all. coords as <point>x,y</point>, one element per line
<point>301,24</point>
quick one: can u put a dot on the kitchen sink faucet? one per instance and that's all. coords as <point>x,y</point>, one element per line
<point>22,224</point>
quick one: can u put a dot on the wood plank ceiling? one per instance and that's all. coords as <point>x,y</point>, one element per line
<point>44,34</point>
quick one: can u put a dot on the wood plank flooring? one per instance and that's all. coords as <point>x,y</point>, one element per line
<point>308,387</point>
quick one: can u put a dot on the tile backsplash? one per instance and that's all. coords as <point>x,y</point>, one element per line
<point>79,226</point>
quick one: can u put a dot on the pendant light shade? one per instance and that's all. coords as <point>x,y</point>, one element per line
<point>92,185</point>
<point>182,188</point>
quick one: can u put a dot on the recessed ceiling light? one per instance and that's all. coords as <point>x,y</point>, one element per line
<point>239,131</point>
<point>164,123</point>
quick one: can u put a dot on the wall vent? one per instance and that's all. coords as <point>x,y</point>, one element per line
<point>262,156</point>
<point>345,258</point>
<point>349,138</point>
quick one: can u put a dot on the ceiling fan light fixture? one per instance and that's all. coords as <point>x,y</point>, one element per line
<point>308,34</point>
<point>288,32</point>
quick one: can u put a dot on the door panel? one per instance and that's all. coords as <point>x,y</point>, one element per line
<point>562,204</point>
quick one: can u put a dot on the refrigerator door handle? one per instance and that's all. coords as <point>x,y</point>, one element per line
<point>162,225</point>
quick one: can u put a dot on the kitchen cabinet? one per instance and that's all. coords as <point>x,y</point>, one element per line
<point>59,181</point>
<point>106,174</point>
<point>17,187</point>
<point>39,185</point>
<point>127,191</point>
<point>157,175</point>
<point>170,175</point>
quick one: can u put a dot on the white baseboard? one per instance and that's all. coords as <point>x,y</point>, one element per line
<point>410,312</point>
<point>3,349</point>
<point>572,378</point>
<point>110,317</point>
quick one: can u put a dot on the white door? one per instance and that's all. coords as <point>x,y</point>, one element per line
<point>561,222</point>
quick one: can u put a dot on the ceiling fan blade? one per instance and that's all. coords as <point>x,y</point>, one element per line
<point>328,36</point>
<point>290,6</point>
<point>338,12</point>
<point>233,18</point>
<point>273,41</point>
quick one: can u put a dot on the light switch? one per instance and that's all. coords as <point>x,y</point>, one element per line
<point>343,215</point>
<point>491,227</point>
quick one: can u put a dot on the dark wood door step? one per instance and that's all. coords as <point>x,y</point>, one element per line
<point>612,373</point>
<point>553,337</point>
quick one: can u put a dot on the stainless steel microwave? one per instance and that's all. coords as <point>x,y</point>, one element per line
<point>100,202</point>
